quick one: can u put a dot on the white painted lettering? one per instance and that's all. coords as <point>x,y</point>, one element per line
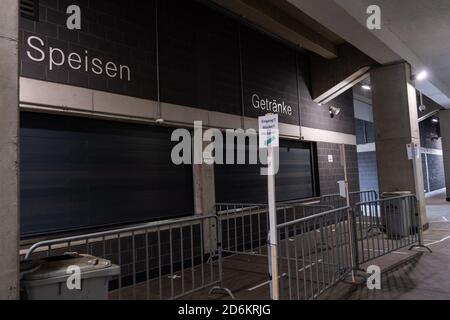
<point>30,44</point>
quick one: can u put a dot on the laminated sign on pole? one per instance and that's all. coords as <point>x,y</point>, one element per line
<point>269,139</point>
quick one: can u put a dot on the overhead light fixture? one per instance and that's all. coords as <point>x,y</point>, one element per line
<point>334,112</point>
<point>421,76</point>
<point>435,120</point>
<point>160,121</point>
<point>366,87</point>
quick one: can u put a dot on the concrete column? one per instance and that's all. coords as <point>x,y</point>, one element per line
<point>444,116</point>
<point>205,201</point>
<point>396,125</point>
<point>9,123</point>
<point>204,190</point>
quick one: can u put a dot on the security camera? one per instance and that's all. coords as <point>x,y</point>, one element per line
<point>334,111</point>
<point>422,108</point>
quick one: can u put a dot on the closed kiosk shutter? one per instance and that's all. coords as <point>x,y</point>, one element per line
<point>79,173</point>
<point>245,184</point>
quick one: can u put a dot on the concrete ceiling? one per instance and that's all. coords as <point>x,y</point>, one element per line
<point>416,31</point>
<point>292,11</point>
<point>282,19</point>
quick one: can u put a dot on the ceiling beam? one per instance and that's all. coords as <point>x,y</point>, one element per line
<point>329,78</point>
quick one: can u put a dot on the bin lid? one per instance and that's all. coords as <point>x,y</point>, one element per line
<point>55,267</point>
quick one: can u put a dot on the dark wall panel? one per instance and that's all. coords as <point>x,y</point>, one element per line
<point>430,134</point>
<point>364,132</point>
<point>82,173</point>
<point>245,184</point>
<point>360,128</point>
<point>269,73</point>
<point>199,57</point>
<point>331,172</point>
<point>123,32</point>
<point>370,132</point>
<point>430,139</point>
<point>317,116</point>
<point>429,103</point>
<point>436,172</point>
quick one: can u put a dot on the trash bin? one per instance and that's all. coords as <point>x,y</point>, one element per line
<point>396,216</point>
<point>49,281</point>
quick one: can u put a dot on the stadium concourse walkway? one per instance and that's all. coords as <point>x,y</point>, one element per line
<point>421,275</point>
<point>405,274</point>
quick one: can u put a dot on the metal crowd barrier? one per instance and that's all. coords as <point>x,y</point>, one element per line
<point>384,226</point>
<point>160,260</point>
<point>317,246</point>
<point>314,253</point>
<point>336,201</point>
<point>245,227</point>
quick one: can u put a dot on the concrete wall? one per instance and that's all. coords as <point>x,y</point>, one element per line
<point>9,121</point>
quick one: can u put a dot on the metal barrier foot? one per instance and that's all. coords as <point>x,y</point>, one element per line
<point>357,274</point>
<point>374,227</point>
<point>420,246</point>
<point>225,291</point>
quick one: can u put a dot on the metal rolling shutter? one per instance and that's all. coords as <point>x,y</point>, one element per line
<point>244,184</point>
<point>79,173</point>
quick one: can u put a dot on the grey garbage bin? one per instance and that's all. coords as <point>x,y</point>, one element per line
<point>49,281</point>
<point>396,216</point>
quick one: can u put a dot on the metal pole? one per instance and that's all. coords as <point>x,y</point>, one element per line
<point>347,194</point>
<point>417,186</point>
<point>273,237</point>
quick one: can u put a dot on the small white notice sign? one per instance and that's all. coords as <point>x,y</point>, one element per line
<point>413,151</point>
<point>417,151</point>
<point>342,189</point>
<point>268,131</point>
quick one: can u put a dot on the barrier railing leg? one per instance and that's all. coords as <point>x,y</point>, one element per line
<point>356,270</point>
<point>420,227</point>
<point>272,259</point>
<point>220,288</point>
